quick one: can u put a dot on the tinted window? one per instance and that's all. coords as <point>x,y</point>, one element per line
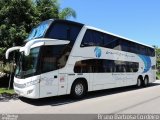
<point>92,38</point>
<point>53,57</point>
<point>95,38</point>
<point>152,51</point>
<point>98,38</point>
<point>87,39</point>
<point>59,31</point>
<point>125,45</point>
<point>105,66</point>
<point>64,31</point>
<point>108,40</point>
<point>114,44</point>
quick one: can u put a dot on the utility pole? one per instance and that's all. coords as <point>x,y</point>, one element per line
<point>12,68</point>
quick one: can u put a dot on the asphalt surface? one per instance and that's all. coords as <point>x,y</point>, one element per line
<point>118,100</point>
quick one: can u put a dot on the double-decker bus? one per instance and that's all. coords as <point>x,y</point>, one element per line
<point>64,57</point>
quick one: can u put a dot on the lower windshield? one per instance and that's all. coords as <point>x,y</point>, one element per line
<point>27,65</point>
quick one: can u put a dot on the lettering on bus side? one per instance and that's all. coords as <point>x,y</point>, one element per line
<point>47,81</point>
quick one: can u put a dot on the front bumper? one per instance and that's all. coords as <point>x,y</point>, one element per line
<point>28,92</point>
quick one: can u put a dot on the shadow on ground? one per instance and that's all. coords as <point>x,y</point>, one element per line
<point>66,99</point>
<point>4,81</point>
<point>5,97</point>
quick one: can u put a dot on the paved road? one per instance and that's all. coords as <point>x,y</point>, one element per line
<point>119,100</point>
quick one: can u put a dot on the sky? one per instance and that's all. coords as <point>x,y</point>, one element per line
<point>138,20</point>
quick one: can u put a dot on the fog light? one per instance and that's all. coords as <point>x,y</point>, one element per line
<point>29,91</point>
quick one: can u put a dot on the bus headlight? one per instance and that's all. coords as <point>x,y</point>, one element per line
<point>32,83</point>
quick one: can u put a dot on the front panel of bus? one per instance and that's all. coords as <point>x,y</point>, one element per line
<point>39,74</point>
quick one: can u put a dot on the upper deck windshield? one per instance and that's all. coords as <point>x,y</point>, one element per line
<point>56,29</point>
<point>40,30</point>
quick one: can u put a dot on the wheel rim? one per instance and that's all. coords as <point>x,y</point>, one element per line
<point>146,81</point>
<point>79,89</point>
<point>138,82</point>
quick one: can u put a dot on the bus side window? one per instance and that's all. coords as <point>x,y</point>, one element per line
<point>87,39</point>
<point>48,61</point>
<point>92,38</point>
<point>98,38</point>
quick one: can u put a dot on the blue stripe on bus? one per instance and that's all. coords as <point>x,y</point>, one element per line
<point>147,62</point>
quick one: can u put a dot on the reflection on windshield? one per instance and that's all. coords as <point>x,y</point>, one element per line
<point>40,30</point>
<point>27,64</point>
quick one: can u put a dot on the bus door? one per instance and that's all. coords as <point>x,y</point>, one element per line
<point>62,83</point>
<point>49,84</point>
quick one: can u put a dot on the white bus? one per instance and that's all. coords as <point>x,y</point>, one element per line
<point>64,57</point>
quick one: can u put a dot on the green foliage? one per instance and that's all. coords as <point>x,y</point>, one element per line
<point>51,9</point>
<point>157,62</point>
<point>16,20</point>
<point>66,13</point>
<point>4,90</point>
<point>18,17</point>
<point>158,58</point>
<point>158,76</point>
<point>47,9</point>
<point>7,68</point>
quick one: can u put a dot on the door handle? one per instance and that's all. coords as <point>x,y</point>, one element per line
<point>55,76</point>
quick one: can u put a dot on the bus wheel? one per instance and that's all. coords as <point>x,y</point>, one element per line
<point>139,82</point>
<point>79,89</point>
<point>146,81</point>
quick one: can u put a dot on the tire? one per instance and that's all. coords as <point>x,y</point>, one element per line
<point>139,83</point>
<point>145,82</point>
<point>79,90</point>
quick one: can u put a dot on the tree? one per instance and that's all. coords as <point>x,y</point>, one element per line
<point>158,58</point>
<point>66,13</point>
<point>51,9</point>
<point>18,17</point>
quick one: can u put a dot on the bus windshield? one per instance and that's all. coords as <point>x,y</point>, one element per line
<point>40,30</point>
<point>27,64</point>
<point>56,58</point>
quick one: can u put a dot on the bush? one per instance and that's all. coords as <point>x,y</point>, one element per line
<point>6,68</point>
<point>158,76</point>
<point>5,71</point>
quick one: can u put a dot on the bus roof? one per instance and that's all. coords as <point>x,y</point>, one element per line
<point>93,28</point>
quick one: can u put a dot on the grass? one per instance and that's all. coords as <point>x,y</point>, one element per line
<point>158,76</point>
<point>5,90</point>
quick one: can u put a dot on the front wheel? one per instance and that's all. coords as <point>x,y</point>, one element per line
<point>78,89</point>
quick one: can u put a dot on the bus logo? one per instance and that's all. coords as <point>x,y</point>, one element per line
<point>97,52</point>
